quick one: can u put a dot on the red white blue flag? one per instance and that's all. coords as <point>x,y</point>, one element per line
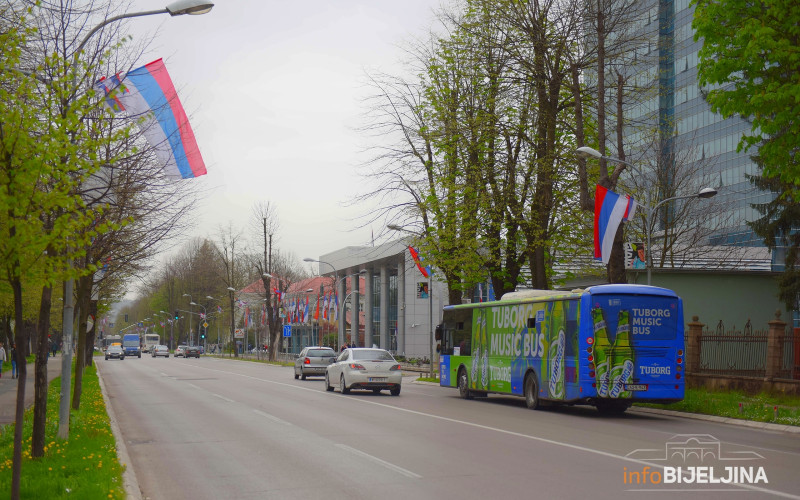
<point>425,270</point>
<point>610,210</point>
<point>147,95</point>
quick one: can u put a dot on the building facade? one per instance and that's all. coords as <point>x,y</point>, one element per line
<point>401,307</point>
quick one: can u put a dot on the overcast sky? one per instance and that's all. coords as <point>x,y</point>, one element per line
<point>273,91</point>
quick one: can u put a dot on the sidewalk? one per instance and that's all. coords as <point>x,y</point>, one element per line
<point>8,388</point>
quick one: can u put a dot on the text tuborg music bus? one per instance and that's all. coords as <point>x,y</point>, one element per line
<point>607,346</point>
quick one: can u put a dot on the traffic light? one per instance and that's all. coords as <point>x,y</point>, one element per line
<point>177,316</point>
<point>202,335</point>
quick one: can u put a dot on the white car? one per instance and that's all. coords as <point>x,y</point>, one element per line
<point>364,368</point>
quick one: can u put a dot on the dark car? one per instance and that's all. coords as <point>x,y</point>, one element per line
<point>115,351</point>
<point>313,361</point>
<point>191,351</point>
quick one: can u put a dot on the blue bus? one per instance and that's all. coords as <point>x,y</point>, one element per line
<point>607,346</point>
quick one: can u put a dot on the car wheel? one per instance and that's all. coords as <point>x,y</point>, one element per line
<point>302,375</point>
<point>343,385</point>
<point>106,358</point>
<point>395,391</point>
<point>296,376</point>
<point>531,390</point>
<point>376,391</point>
<point>122,358</point>
<point>463,384</point>
<point>328,386</point>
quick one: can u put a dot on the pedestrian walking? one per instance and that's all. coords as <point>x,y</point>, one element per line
<point>54,347</point>
<point>2,358</point>
<point>13,355</point>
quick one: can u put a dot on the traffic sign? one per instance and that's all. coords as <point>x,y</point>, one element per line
<point>287,330</point>
<point>205,325</point>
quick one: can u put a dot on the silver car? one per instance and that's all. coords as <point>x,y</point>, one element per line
<point>160,350</point>
<point>364,368</point>
<point>313,360</point>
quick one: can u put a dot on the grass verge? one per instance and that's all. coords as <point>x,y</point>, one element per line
<point>761,408</point>
<point>84,466</point>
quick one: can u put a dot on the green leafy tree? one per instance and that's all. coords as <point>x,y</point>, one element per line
<point>751,59</point>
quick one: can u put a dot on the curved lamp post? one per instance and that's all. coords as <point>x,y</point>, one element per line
<point>707,192</point>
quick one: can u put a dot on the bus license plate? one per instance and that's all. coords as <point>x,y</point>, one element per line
<point>635,387</point>
<point>377,379</point>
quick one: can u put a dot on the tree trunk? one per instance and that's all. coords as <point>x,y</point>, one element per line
<point>19,417</point>
<point>84,294</point>
<point>40,381</point>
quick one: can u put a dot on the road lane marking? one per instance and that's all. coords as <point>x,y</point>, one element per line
<point>223,398</point>
<point>378,461</point>
<point>271,417</point>
<point>506,432</point>
<point>194,386</point>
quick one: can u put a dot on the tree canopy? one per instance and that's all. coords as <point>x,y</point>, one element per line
<point>751,60</point>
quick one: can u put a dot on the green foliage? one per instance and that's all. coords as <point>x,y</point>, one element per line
<point>760,408</point>
<point>85,466</point>
<point>778,225</point>
<point>750,57</point>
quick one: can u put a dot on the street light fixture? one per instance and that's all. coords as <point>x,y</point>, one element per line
<point>177,8</point>
<point>191,337</point>
<point>704,193</point>
<point>395,227</point>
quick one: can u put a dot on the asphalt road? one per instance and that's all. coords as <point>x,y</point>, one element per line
<point>217,428</point>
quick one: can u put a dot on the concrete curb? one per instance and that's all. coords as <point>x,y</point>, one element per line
<point>129,480</point>
<point>792,429</point>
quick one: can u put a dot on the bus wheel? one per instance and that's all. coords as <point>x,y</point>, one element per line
<point>612,407</point>
<point>463,384</point>
<point>531,392</point>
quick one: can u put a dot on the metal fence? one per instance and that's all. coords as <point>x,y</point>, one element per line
<point>790,367</point>
<point>734,352</point>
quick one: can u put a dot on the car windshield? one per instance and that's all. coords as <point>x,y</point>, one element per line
<point>321,353</point>
<point>372,355</point>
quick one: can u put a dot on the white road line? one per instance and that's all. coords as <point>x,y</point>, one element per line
<point>222,398</point>
<point>194,386</point>
<point>509,433</point>
<point>384,463</point>
<point>271,417</point>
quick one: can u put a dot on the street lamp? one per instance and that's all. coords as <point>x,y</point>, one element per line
<point>704,193</point>
<point>204,318</point>
<point>218,321</point>
<point>395,227</point>
<point>191,313</point>
<point>231,291</point>
<point>177,8</point>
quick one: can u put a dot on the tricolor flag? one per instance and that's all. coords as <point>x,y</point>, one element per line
<point>246,317</point>
<point>305,311</point>
<point>219,309</point>
<point>147,95</point>
<point>426,270</point>
<point>480,292</point>
<point>316,313</point>
<point>610,210</point>
<point>336,307</point>
<point>325,306</point>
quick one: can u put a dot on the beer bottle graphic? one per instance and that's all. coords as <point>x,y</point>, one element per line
<point>484,354</point>
<point>601,352</point>
<point>622,358</point>
<point>556,347</point>
<point>476,353</point>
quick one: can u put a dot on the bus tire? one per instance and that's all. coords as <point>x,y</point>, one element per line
<point>611,407</point>
<point>463,384</point>
<point>531,392</point>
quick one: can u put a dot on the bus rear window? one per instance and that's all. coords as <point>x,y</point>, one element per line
<point>650,317</point>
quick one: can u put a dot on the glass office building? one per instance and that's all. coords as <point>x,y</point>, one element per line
<point>691,138</point>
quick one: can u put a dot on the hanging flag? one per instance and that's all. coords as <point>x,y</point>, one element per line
<point>219,309</point>
<point>147,95</point>
<point>426,270</point>
<point>336,307</point>
<point>316,313</point>
<point>490,292</point>
<point>325,307</point>
<point>279,294</point>
<point>246,317</point>
<point>610,210</point>
<point>480,292</point>
<point>305,311</point>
